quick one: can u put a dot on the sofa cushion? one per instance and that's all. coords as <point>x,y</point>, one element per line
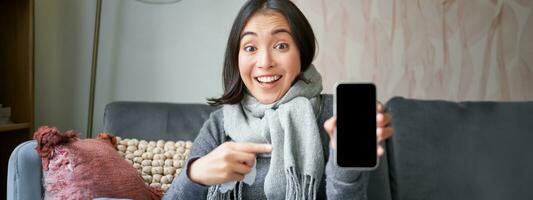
<point>87,169</point>
<point>155,121</point>
<point>158,162</point>
<point>468,150</point>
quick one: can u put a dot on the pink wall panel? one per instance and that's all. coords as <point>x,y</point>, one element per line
<point>447,49</point>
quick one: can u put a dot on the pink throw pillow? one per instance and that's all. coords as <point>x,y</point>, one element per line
<point>87,169</point>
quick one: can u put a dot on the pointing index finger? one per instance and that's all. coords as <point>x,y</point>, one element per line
<point>252,147</point>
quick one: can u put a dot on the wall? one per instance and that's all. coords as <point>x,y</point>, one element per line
<point>168,53</point>
<point>454,50</point>
<point>63,47</point>
<point>147,53</point>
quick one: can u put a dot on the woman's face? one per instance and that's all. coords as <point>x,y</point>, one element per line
<point>269,59</point>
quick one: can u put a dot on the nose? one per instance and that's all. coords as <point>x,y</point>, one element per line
<point>264,59</point>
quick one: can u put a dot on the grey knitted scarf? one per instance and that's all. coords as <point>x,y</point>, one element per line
<point>289,124</point>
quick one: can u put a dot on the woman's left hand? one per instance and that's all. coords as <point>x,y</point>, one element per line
<point>383,131</point>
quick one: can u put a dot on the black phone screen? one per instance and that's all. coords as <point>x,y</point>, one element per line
<point>356,125</point>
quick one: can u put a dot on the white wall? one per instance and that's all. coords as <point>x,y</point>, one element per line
<point>147,52</point>
<point>174,53</point>
<point>168,53</point>
<point>63,46</point>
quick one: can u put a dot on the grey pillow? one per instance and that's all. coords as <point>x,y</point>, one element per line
<point>469,150</point>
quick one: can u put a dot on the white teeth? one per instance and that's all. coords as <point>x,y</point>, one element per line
<point>268,79</point>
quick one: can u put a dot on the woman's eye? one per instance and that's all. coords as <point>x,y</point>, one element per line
<point>249,48</point>
<point>281,46</point>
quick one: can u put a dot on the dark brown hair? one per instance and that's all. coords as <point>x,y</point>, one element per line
<point>302,33</point>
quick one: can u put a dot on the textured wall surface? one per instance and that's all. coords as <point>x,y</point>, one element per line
<point>439,49</point>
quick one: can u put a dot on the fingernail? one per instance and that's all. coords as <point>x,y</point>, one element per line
<point>268,147</point>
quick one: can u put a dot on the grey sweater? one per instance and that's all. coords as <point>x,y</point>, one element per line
<point>338,183</point>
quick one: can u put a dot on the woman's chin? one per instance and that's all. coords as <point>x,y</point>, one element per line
<point>269,96</point>
<point>267,99</point>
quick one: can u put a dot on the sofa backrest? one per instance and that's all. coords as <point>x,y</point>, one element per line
<point>154,120</point>
<point>175,121</point>
<point>469,150</point>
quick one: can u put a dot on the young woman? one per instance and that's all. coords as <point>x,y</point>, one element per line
<point>271,138</point>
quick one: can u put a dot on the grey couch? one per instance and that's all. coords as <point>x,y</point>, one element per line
<point>441,150</point>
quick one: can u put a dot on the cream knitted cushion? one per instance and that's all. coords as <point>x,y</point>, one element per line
<point>158,162</point>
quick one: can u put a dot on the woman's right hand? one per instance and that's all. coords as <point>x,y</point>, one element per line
<point>228,162</point>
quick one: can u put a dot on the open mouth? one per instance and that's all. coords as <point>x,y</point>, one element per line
<point>268,79</point>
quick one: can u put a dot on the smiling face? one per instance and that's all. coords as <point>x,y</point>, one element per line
<point>269,59</point>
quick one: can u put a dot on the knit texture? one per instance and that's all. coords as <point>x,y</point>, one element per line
<point>87,169</point>
<point>289,125</point>
<point>337,183</point>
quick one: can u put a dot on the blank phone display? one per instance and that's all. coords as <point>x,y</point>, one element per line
<point>356,125</point>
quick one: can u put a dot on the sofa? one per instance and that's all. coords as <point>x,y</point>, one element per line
<point>440,150</point>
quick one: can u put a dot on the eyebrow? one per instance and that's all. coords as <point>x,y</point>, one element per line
<point>275,31</point>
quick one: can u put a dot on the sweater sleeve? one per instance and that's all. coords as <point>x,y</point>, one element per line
<point>342,183</point>
<point>209,137</point>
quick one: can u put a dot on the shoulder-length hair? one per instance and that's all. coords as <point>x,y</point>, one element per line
<point>302,33</point>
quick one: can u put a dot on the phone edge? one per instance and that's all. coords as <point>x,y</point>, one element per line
<point>335,130</point>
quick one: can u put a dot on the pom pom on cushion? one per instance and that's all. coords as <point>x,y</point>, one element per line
<point>158,162</point>
<point>87,169</point>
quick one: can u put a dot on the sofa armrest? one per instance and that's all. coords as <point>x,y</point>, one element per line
<point>24,173</point>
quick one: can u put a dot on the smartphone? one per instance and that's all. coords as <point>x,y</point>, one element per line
<point>355,108</point>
